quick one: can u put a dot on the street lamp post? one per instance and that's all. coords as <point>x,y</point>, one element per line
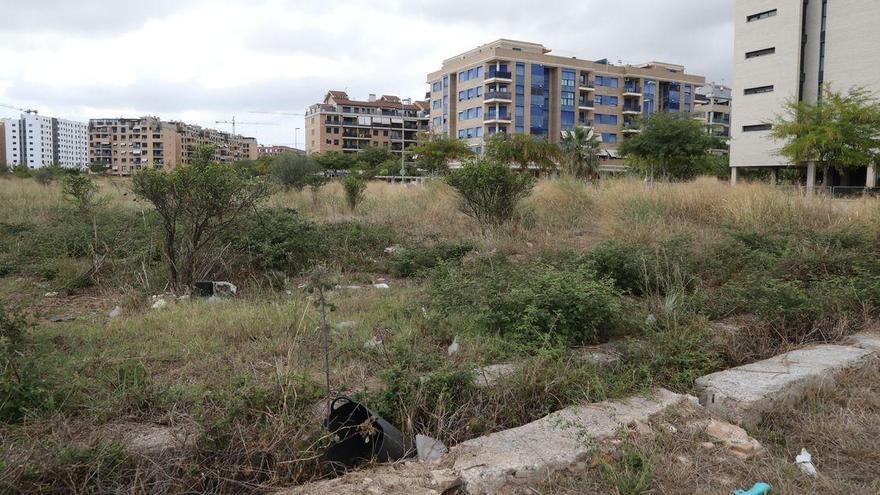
<point>296,137</point>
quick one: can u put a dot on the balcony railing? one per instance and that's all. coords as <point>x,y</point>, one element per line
<point>497,116</point>
<point>498,95</point>
<point>632,108</point>
<point>632,88</point>
<point>586,103</point>
<point>492,74</point>
<point>587,83</point>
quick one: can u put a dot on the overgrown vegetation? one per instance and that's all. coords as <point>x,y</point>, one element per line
<point>645,268</point>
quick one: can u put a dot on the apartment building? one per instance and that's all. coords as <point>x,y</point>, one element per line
<point>712,107</point>
<point>789,50</point>
<point>346,125</point>
<point>279,150</point>
<point>125,145</point>
<point>520,87</point>
<point>39,141</point>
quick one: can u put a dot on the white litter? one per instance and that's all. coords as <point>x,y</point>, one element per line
<point>454,347</point>
<point>805,462</point>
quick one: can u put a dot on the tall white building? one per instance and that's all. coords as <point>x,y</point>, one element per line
<point>38,141</point>
<point>789,50</point>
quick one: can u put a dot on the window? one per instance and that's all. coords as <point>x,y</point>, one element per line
<point>758,90</point>
<point>608,82</point>
<point>609,138</point>
<point>607,100</point>
<point>762,15</point>
<point>469,74</point>
<point>761,53</point>
<point>756,128</point>
<point>605,119</point>
<point>437,122</point>
<point>437,86</point>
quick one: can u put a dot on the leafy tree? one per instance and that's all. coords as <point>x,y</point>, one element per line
<point>335,160</point>
<point>672,146</point>
<point>315,182</point>
<point>354,188</point>
<point>490,191</point>
<point>580,153</point>
<point>196,202</point>
<point>433,153</point>
<point>522,150</point>
<point>840,130</point>
<point>371,157</point>
<point>291,171</point>
<point>80,190</point>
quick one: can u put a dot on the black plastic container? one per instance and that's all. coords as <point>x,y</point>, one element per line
<point>363,435</point>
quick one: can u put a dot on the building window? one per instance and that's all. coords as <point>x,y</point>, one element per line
<point>608,82</point>
<point>436,104</point>
<point>437,86</point>
<point>756,128</point>
<point>605,119</point>
<point>606,100</point>
<point>609,138</point>
<point>761,53</point>
<point>758,90</point>
<point>762,15</point>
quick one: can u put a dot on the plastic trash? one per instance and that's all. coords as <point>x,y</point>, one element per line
<point>362,436</point>
<point>805,462</point>
<point>759,489</point>
<point>454,347</point>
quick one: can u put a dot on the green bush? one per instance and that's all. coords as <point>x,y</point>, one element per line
<point>536,302</point>
<point>276,239</point>
<point>80,190</point>
<point>659,269</point>
<point>354,188</point>
<point>411,261</point>
<point>354,246</point>
<point>22,391</point>
<point>490,192</point>
<point>292,171</point>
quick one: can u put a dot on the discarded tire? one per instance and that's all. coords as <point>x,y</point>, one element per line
<point>362,436</point>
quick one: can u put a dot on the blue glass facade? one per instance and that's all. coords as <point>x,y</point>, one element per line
<point>540,103</point>
<point>687,97</point>
<point>649,96</point>
<point>446,105</point>
<point>607,119</point>
<point>607,81</point>
<point>672,97</point>
<point>607,100</point>
<point>569,82</point>
<point>520,112</point>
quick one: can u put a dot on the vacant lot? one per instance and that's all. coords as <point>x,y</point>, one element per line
<point>203,396</point>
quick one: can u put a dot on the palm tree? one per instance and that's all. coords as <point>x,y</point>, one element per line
<point>580,149</point>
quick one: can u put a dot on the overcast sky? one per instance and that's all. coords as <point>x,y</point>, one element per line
<point>206,60</point>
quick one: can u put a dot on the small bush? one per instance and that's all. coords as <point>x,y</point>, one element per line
<point>354,188</point>
<point>292,171</point>
<point>490,192</point>
<point>80,191</point>
<point>535,302</point>
<point>411,261</point>
<point>276,239</point>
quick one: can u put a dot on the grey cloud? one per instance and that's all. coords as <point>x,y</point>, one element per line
<point>82,16</point>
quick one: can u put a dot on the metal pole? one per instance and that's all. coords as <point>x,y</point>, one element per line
<point>402,143</point>
<point>296,137</point>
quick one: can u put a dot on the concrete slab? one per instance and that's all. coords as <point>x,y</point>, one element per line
<point>550,444</point>
<point>489,376</point>
<point>866,340</point>
<point>742,394</point>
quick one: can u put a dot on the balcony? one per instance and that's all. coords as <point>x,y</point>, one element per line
<point>584,104</point>
<point>585,123</point>
<point>632,90</point>
<point>499,76</point>
<point>496,96</point>
<point>497,118</point>
<point>587,85</point>
<point>632,109</point>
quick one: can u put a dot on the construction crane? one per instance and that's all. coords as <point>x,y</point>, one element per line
<point>234,123</point>
<point>25,110</point>
<point>286,114</point>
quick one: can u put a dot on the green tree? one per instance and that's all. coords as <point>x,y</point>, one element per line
<point>315,182</point>
<point>841,130</point>
<point>335,160</point>
<point>671,146</point>
<point>371,158</point>
<point>196,202</point>
<point>489,191</point>
<point>354,188</point>
<point>433,153</point>
<point>522,150</point>
<point>98,168</point>
<point>80,190</point>
<point>580,153</point>
<point>291,171</point>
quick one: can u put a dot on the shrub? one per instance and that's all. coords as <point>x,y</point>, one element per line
<point>354,188</point>
<point>660,269</point>
<point>80,191</point>
<point>44,176</point>
<point>292,171</point>
<point>411,261</point>
<point>355,246</point>
<point>22,392</point>
<point>276,239</point>
<point>537,302</point>
<point>490,192</point>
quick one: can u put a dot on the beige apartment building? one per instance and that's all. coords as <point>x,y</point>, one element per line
<point>712,108</point>
<point>346,125</point>
<point>520,87</point>
<point>279,150</point>
<point>789,50</point>
<point>125,145</point>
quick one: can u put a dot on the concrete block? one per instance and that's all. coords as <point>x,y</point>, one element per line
<point>869,341</point>
<point>742,394</point>
<point>553,443</point>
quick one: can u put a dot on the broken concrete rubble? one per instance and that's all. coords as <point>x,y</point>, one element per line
<point>734,438</point>
<point>429,449</point>
<point>489,376</point>
<point>553,443</point>
<point>869,341</point>
<point>742,394</point>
